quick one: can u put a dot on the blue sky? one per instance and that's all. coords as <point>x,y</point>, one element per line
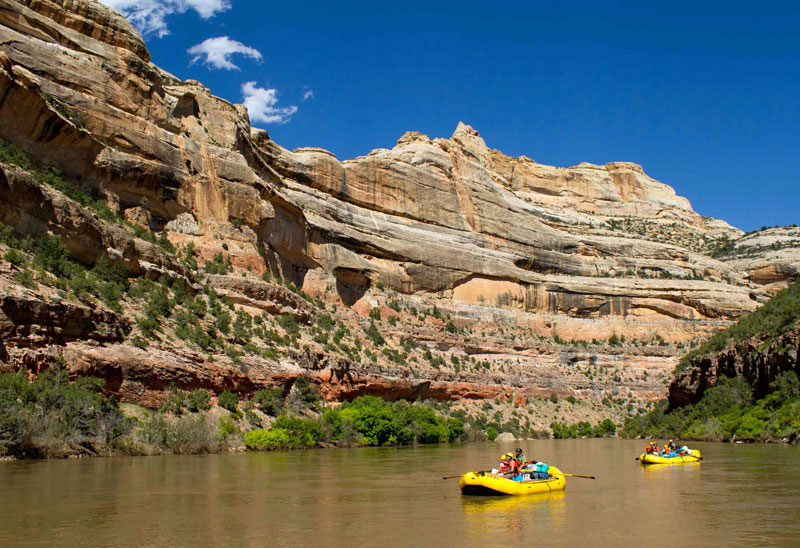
<point>706,98</point>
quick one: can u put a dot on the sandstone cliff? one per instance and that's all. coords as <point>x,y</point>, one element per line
<point>492,276</point>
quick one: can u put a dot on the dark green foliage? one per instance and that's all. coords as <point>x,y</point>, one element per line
<point>15,257</point>
<point>270,400</point>
<point>369,420</point>
<point>395,356</point>
<point>374,335</point>
<point>408,343</point>
<point>14,155</point>
<point>451,327</point>
<point>289,324</point>
<point>375,314</point>
<point>140,342</point>
<point>8,236</point>
<point>50,417</point>
<point>492,433</point>
<point>776,317</point>
<point>198,400</point>
<point>164,243</point>
<point>583,429</point>
<point>219,265</point>
<point>50,253</point>
<point>308,395</point>
<point>26,278</point>
<point>174,401</point>
<point>306,430</point>
<point>325,322</point>
<point>228,400</point>
<point>728,411</point>
<point>84,195</point>
<point>243,326</point>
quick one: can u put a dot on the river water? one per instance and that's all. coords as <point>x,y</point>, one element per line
<point>740,495</point>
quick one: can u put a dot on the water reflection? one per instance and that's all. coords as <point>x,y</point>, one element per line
<point>517,517</point>
<point>669,470</point>
<point>739,496</point>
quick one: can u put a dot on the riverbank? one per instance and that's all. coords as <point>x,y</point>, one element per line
<point>728,412</point>
<point>50,416</point>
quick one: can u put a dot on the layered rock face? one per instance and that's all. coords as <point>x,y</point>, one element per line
<point>586,280</point>
<point>758,362</point>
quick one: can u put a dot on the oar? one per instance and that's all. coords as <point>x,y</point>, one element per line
<point>578,476</point>
<point>462,475</point>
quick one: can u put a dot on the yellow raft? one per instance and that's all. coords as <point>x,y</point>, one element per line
<point>485,483</point>
<point>655,459</point>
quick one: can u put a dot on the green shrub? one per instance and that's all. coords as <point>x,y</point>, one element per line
<point>326,322</point>
<point>492,433</point>
<point>306,431</point>
<point>25,277</point>
<point>228,400</point>
<point>227,429</point>
<point>769,321</point>
<point>14,155</point>
<point>308,395</point>
<point>218,265</point>
<point>15,257</point>
<point>270,400</point>
<point>289,324</point>
<point>51,417</point>
<point>374,335</point>
<point>265,440</point>
<point>174,401</point>
<point>198,400</point>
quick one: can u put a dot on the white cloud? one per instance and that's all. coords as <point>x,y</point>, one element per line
<point>150,16</point>
<point>261,104</point>
<point>308,93</point>
<point>218,52</point>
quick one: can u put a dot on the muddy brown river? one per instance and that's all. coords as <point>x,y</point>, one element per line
<point>740,495</point>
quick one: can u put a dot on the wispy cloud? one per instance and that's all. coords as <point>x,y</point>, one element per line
<point>308,93</point>
<point>150,16</point>
<point>218,52</point>
<point>262,103</point>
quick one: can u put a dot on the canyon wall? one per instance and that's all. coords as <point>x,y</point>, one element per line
<point>513,279</point>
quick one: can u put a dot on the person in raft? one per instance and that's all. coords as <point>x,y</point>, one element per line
<point>507,465</point>
<point>651,449</point>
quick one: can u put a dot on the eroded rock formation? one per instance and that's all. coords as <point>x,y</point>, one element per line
<point>587,280</point>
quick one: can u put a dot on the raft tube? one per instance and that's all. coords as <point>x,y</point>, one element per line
<point>486,484</point>
<point>655,459</point>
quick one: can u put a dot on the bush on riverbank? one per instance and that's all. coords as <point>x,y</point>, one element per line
<point>49,417</point>
<point>367,420</point>
<point>583,429</point>
<point>726,412</point>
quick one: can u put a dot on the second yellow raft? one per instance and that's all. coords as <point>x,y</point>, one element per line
<point>655,459</point>
<point>485,483</point>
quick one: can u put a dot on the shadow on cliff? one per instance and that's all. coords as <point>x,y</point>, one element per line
<point>350,285</point>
